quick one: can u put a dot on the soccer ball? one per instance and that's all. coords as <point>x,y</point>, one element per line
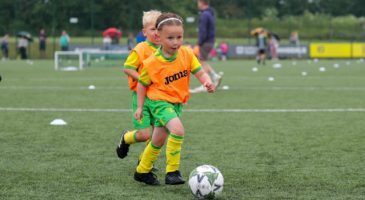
<point>206,182</point>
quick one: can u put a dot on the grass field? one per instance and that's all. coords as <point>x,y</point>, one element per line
<point>297,137</point>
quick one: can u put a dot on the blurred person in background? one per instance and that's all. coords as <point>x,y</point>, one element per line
<point>206,42</point>
<point>294,38</point>
<point>5,46</point>
<point>130,41</point>
<point>42,43</point>
<point>64,41</point>
<point>261,47</point>
<point>224,50</point>
<point>140,37</point>
<point>273,46</point>
<point>107,41</point>
<point>22,47</point>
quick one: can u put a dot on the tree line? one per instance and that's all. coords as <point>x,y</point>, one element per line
<point>96,15</point>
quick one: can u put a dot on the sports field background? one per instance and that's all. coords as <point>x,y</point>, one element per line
<point>297,137</point>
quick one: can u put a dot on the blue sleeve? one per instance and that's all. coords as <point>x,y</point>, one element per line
<point>203,32</point>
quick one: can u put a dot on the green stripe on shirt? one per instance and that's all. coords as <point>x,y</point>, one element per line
<point>143,83</point>
<point>196,70</point>
<point>130,67</point>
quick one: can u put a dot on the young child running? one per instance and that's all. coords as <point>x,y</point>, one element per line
<point>132,67</point>
<point>165,80</point>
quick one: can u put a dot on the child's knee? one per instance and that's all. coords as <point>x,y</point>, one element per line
<point>159,136</point>
<point>143,135</point>
<point>175,127</point>
<point>158,141</point>
<point>178,131</point>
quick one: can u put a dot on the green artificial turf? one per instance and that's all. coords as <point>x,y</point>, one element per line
<point>291,138</point>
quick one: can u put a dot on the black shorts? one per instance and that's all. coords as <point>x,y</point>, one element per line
<point>205,49</point>
<point>42,45</point>
<point>261,51</point>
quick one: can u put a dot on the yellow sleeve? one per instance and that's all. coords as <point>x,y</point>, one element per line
<point>144,78</point>
<point>195,65</point>
<point>132,61</point>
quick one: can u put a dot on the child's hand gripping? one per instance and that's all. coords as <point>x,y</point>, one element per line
<point>210,86</point>
<point>138,114</point>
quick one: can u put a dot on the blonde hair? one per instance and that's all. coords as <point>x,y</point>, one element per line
<point>150,17</point>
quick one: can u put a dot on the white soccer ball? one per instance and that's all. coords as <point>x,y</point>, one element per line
<point>206,182</point>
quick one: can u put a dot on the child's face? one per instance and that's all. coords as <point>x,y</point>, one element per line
<point>150,32</point>
<point>171,38</point>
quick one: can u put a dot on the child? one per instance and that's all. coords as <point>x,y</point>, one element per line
<point>224,49</point>
<point>22,46</point>
<point>130,41</point>
<point>165,80</point>
<point>132,67</point>
<point>64,41</point>
<point>261,46</point>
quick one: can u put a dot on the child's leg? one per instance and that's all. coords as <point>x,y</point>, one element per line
<point>141,132</point>
<point>173,152</point>
<point>131,137</point>
<point>174,143</point>
<point>143,172</point>
<point>152,150</point>
<point>134,136</point>
<point>144,137</point>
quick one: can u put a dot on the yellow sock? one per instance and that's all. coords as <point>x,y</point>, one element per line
<point>140,155</point>
<point>173,149</point>
<point>130,137</point>
<point>149,156</point>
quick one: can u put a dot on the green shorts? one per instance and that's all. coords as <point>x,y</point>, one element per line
<point>163,111</point>
<point>147,119</point>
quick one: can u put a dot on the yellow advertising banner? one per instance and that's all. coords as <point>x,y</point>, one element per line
<point>358,50</point>
<point>330,50</point>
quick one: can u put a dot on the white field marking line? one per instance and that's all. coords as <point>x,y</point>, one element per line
<point>188,110</point>
<point>63,110</point>
<point>277,110</point>
<point>57,88</point>
<point>306,88</point>
<point>299,76</point>
<point>63,79</point>
<point>123,88</point>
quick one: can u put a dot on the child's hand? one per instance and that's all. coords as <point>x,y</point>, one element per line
<point>138,114</point>
<point>210,86</point>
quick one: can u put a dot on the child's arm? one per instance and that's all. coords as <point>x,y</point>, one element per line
<point>205,80</point>
<point>141,94</point>
<point>131,65</point>
<point>132,73</point>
